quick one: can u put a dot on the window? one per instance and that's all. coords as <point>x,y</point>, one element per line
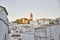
<point>9,32</point>
<point>52,39</point>
<point>16,31</point>
<point>15,35</point>
<point>19,39</point>
<point>5,37</point>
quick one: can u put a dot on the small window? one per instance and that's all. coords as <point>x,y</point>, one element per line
<point>9,32</point>
<point>15,35</point>
<point>16,31</point>
<point>20,31</point>
<point>5,37</point>
<point>19,39</point>
<point>52,39</point>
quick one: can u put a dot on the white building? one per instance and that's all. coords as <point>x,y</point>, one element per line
<point>48,32</point>
<point>28,34</point>
<point>14,32</point>
<point>3,24</point>
<point>25,31</point>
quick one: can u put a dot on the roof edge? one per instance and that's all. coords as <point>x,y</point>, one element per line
<point>4,9</point>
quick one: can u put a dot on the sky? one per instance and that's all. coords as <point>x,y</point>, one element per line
<point>39,8</point>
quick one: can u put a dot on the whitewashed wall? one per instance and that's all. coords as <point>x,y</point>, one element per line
<point>3,24</point>
<point>50,32</point>
<point>3,14</point>
<point>27,36</point>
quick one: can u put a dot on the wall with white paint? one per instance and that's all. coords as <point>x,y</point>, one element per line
<point>3,24</point>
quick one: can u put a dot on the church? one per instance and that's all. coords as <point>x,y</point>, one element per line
<point>24,20</point>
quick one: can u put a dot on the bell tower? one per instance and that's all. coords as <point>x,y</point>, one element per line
<point>31,17</point>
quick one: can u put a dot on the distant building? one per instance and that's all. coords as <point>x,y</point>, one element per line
<point>43,21</point>
<point>24,20</point>
<point>3,24</point>
<point>58,20</point>
<point>31,17</point>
